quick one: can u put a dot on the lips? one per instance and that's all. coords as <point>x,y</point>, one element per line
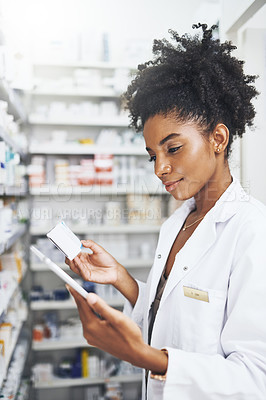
<point>170,186</point>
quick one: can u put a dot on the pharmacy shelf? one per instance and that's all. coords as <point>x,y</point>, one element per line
<point>100,229</point>
<point>97,190</point>
<point>63,382</point>
<point>10,392</point>
<point>14,104</point>
<point>59,344</point>
<point>12,237</point>
<point>80,149</point>
<point>2,247</point>
<point>75,92</point>
<point>10,142</point>
<point>67,304</point>
<point>11,348</point>
<point>133,263</point>
<point>13,191</point>
<point>66,120</point>
<point>13,284</point>
<point>83,64</point>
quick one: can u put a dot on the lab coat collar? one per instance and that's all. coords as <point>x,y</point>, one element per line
<point>225,207</point>
<point>230,201</point>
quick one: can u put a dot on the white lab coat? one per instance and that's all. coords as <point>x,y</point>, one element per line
<point>217,349</point>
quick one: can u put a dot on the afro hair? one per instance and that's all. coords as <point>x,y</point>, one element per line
<point>195,79</point>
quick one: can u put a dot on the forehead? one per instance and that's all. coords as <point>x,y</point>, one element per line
<point>158,127</point>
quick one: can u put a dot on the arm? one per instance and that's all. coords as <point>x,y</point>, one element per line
<point>101,267</point>
<point>117,334</point>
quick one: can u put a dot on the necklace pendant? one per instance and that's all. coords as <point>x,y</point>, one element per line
<point>184,229</point>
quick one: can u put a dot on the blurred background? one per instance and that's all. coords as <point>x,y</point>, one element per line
<point>66,153</point>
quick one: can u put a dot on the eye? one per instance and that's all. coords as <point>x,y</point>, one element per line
<point>152,159</point>
<point>174,149</point>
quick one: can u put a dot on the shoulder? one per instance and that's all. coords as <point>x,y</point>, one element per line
<point>252,213</point>
<point>239,209</point>
<point>247,230</point>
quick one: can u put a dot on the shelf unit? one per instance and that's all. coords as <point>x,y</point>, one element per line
<point>83,149</point>
<point>102,65</point>
<point>8,239</point>
<point>68,121</point>
<point>4,135</point>
<point>12,191</point>
<point>13,287</point>
<point>15,106</point>
<point>133,263</point>
<point>101,229</point>
<point>75,92</point>
<point>69,304</point>
<point>59,344</point>
<point>12,237</point>
<point>15,336</point>
<point>63,383</point>
<point>91,196</point>
<point>50,190</point>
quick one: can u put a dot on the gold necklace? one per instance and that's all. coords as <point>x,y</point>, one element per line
<point>193,223</point>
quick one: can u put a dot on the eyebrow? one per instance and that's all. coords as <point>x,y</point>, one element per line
<point>164,140</point>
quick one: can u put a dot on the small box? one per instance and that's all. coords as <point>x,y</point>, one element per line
<point>65,240</point>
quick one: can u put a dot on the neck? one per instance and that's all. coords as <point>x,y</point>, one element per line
<point>206,198</point>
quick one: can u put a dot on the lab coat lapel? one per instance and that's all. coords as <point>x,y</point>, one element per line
<point>198,244</point>
<point>163,250</point>
<point>165,243</point>
<point>204,236</point>
<point>200,241</point>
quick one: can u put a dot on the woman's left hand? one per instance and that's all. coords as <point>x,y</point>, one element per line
<point>116,333</point>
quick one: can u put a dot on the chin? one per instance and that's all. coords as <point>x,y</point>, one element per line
<point>180,196</point>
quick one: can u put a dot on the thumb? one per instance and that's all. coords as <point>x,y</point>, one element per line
<point>103,309</point>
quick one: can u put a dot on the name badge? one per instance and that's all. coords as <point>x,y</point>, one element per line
<point>196,294</point>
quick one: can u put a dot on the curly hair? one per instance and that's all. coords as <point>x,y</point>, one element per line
<point>196,79</point>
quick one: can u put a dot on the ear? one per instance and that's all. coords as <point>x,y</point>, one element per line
<point>220,138</point>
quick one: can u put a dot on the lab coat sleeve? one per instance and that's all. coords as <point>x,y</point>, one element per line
<point>241,373</point>
<point>136,312</point>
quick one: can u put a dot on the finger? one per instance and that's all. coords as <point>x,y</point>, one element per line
<point>70,263</point>
<point>90,244</point>
<point>81,303</point>
<point>77,297</point>
<point>106,312</point>
<point>67,261</point>
<point>80,265</point>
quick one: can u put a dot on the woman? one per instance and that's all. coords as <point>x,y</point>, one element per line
<point>198,325</point>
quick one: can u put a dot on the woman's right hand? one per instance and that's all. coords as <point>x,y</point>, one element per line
<point>101,267</point>
<point>98,267</point>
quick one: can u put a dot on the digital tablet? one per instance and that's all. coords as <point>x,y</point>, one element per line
<point>58,271</point>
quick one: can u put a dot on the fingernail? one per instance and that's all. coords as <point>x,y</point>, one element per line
<point>92,297</point>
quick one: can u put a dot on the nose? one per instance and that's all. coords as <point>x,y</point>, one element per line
<point>162,167</point>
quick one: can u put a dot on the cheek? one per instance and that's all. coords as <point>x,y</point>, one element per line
<point>197,169</point>
<point>201,160</point>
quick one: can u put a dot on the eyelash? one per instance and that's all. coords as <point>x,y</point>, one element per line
<point>171,150</point>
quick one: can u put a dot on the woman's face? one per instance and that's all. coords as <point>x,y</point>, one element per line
<point>183,159</point>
